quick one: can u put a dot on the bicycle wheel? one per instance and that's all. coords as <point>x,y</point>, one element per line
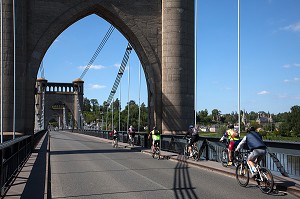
<point>224,158</point>
<point>185,152</point>
<point>238,158</point>
<point>266,181</point>
<point>242,174</point>
<point>156,153</point>
<point>195,153</point>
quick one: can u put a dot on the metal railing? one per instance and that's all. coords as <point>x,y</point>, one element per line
<point>282,157</point>
<point>14,153</point>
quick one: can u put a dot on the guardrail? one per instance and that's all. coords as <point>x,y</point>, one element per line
<point>14,153</point>
<point>282,157</point>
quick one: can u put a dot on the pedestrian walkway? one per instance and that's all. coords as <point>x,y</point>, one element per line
<point>33,178</point>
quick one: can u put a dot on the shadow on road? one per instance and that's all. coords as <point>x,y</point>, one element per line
<point>182,184</point>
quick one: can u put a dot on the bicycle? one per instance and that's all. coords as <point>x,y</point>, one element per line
<point>224,159</point>
<point>131,140</point>
<point>195,150</point>
<point>156,150</point>
<point>264,177</point>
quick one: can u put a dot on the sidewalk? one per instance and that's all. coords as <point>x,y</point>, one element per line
<point>31,182</point>
<point>282,184</point>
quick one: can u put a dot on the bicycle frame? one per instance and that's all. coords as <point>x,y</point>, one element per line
<point>195,150</point>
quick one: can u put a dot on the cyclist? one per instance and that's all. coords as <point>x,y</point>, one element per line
<point>115,136</point>
<point>193,133</point>
<point>131,134</point>
<point>256,146</point>
<point>234,139</point>
<point>155,135</point>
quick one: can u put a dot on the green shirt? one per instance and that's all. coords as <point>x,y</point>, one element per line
<point>155,136</point>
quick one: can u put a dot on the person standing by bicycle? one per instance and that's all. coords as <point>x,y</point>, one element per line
<point>256,146</point>
<point>155,135</point>
<point>193,134</point>
<point>234,140</point>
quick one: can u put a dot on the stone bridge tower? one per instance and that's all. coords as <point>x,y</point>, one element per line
<point>160,31</point>
<point>56,100</point>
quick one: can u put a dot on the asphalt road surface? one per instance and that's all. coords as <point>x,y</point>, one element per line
<point>84,167</point>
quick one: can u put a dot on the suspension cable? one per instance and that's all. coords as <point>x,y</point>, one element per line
<point>120,74</point>
<point>101,45</point>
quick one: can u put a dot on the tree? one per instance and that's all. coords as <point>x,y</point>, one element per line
<point>203,117</point>
<point>215,114</point>
<point>294,120</point>
<point>95,105</point>
<point>86,104</point>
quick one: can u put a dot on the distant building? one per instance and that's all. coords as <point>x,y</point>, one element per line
<point>203,129</point>
<point>213,128</point>
<point>264,118</point>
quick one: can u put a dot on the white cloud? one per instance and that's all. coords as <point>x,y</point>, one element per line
<point>96,86</point>
<point>294,80</point>
<point>117,65</point>
<point>290,65</point>
<point>284,96</point>
<point>95,67</point>
<point>263,92</point>
<point>293,27</point>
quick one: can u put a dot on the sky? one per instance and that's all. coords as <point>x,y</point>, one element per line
<point>269,57</point>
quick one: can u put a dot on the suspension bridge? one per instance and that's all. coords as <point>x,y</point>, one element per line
<point>60,164</point>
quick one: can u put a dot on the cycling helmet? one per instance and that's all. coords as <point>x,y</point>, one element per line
<point>191,126</point>
<point>230,126</point>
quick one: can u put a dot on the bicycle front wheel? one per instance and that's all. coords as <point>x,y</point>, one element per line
<point>195,153</point>
<point>266,181</point>
<point>224,157</point>
<point>242,175</point>
<point>185,152</point>
<point>157,153</point>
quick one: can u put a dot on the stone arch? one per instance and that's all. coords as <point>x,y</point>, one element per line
<point>148,53</point>
<point>160,31</point>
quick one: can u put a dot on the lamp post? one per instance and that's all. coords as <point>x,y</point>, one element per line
<point>101,120</point>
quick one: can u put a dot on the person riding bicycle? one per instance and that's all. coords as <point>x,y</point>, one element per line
<point>193,134</point>
<point>256,146</point>
<point>234,140</point>
<point>155,135</point>
<point>115,135</point>
<point>131,133</point>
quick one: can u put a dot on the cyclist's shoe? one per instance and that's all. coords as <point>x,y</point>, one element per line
<point>229,163</point>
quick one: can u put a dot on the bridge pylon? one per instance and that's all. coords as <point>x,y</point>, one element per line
<point>59,101</point>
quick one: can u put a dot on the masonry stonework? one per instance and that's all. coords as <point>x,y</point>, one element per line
<point>160,31</point>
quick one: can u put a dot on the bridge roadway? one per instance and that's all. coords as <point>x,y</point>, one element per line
<point>88,167</point>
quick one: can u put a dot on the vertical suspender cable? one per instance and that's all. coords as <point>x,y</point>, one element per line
<point>128,93</point>
<point>120,107</point>
<point>195,98</point>
<point>139,98</point>
<point>239,88</point>
<point>112,115</point>
<point>14,30</point>
<point>106,117</point>
<point>2,71</point>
